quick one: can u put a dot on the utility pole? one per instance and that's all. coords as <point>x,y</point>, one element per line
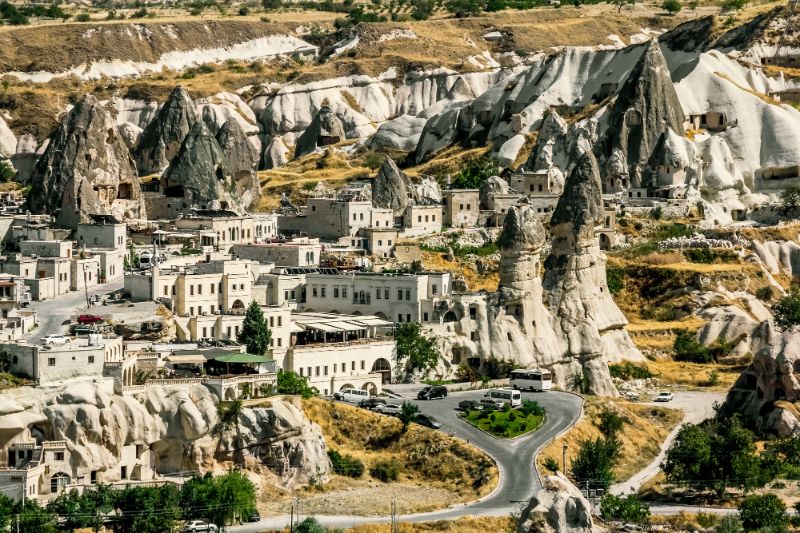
<point>86,287</point>
<point>564,458</point>
<point>394,516</point>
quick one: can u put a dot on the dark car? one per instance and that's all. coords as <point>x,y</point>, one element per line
<point>371,403</point>
<point>469,405</point>
<point>428,421</point>
<point>432,393</point>
<point>254,516</point>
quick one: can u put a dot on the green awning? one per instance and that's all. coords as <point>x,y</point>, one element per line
<point>242,358</point>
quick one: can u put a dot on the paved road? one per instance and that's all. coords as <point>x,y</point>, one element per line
<point>51,314</point>
<point>696,406</point>
<point>514,458</point>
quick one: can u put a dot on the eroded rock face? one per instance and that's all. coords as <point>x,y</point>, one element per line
<point>646,107</point>
<point>198,172</point>
<point>560,508</point>
<point>390,188</point>
<point>491,186</point>
<point>325,129</point>
<point>162,138</point>
<point>240,162</point>
<point>175,423</point>
<point>86,169</point>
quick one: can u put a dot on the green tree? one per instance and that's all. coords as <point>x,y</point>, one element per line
<point>624,509</point>
<point>255,332</point>
<point>310,525</point>
<point>235,496</point>
<point>33,517</point>
<point>610,423</point>
<point>147,509</point>
<point>69,507</point>
<point>593,467</point>
<point>292,383</point>
<point>716,455</point>
<point>671,6</point>
<point>531,407</point>
<point>790,197</point>
<point>475,172</point>
<point>8,509</point>
<point>787,311</point>
<point>373,160</point>
<point>7,171</point>
<point>615,279</point>
<point>763,511</point>
<point>552,465</point>
<point>414,349</point>
<point>408,413</point>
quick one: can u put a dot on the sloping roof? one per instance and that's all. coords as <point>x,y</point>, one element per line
<point>185,359</point>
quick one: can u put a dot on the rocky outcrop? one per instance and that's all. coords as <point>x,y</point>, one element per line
<point>401,133</point>
<point>85,170</point>
<point>575,281</point>
<point>647,106</point>
<point>324,130</point>
<point>275,155</point>
<point>174,424</point>
<point>390,188</point>
<point>197,173</point>
<point>559,507</point>
<point>162,138</point>
<point>240,162</point>
<point>490,187</point>
<point>8,141</point>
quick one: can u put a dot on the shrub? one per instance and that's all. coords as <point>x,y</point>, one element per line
<point>593,467</point>
<point>708,255</point>
<point>386,470</point>
<point>656,213</point>
<point>790,197</point>
<point>787,310</point>
<point>624,509</point>
<point>551,464</point>
<point>765,293</point>
<point>83,17</point>
<point>511,416</point>
<point>346,465</point>
<point>671,6</point>
<point>688,348</point>
<point>531,407</point>
<point>498,427</point>
<point>610,422</point>
<point>615,279</point>
<point>707,520</point>
<point>244,11</point>
<point>6,171</point>
<point>763,511</point>
<point>627,370</point>
<point>713,378</point>
<point>729,524</point>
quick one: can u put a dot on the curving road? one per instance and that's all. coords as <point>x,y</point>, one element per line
<point>514,458</point>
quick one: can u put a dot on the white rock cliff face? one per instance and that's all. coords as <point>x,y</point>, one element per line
<point>174,422</point>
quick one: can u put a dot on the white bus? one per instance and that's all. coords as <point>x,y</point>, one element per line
<point>509,396</point>
<point>535,380</point>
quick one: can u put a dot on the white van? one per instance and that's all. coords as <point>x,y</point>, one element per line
<point>509,396</point>
<point>351,395</point>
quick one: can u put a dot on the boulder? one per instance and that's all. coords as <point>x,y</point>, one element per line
<point>559,507</point>
<point>85,170</point>
<point>325,129</point>
<point>426,192</point>
<point>162,138</point>
<point>197,173</point>
<point>275,155</point>
<point>240,162</point>
<point>401,133</point>
<point>493,185</point>
<point>130,133</point>
<point>390,188</point>
<point>8,141</point>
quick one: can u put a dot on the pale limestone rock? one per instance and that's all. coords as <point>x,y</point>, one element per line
<point>560,507</point>
<point>390,188</point>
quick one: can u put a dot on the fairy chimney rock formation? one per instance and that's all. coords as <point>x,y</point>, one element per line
<point>390,188</point>
<point>162,138</point>
<point>240,160</point>
<point>86,170</point>
<point>325,129</point>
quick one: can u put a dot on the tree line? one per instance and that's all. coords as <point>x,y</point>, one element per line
<point>220,500</point>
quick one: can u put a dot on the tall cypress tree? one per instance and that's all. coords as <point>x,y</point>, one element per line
<point>255,332</point>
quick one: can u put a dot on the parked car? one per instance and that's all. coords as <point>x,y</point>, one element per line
<point>469,405</point>
<point>428,421</point>
<point>52,340</point>
<point>254,516</point>
<point>371,403</point>
<point>663,396</point>
<point>351,395</point>
<point>198,525</point>
<point>89,319</point>
<point>493,404</point>
<point>388,409</point>
<point>432,392</point>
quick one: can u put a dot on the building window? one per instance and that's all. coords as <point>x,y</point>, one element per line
<point>473,313</point>
<point>191,290</point>
<point>325,369</point>
<point>399,294</point>
<point>317,371</point>
<point>212,288</point>
<point>301,371</point>
<point>425,317</point>
<point>380,242</point>
<point>433,288</point>
<point>280,321</point>
<point>344,367</point>
<point>91,359</point>
<point>419,218</point>
<point>59,456</point>
<point>272,321</point>
<point>336,292</point>
<point>408,318</point>
<point>378,294</point>
<point>323,292</point>
<point>199,289</point>
<point>408,294</point>
<point>469,207</point>
<point>279,342</point>
<point>314,292</point>
<point>473,335</point>
<point>344,292</point>
<point>285,295</point>
<point>51,361</point>
<point>362,364</point>
<point>399,318</point>
<point>352,365</point>
<point>309,371</point>
<point>386,294</point>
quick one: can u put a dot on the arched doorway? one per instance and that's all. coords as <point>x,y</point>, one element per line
<point>347,386</point>
<point>383,366</point>
<point>58,482</point>
<point>238,307</point>
<point>381,315</point>
<point>605,242</point>
<point>230,394</point>
<point>371,388</point>
<point>450,316</point>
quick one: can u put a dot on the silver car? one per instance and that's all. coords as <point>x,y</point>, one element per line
<point>388,409</point>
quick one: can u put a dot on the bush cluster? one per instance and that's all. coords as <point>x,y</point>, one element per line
<point>386,470</point>
<point>627,370</point>
<point>346,465</point>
